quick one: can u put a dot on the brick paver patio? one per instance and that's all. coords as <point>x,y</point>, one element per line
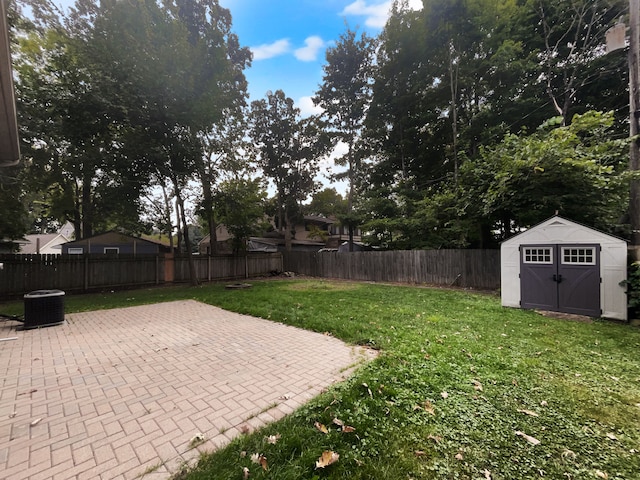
<point>116,393</point>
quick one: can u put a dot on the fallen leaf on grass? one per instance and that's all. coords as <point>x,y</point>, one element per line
<point>419,453</point>
<point>273,439</point>
<point>487,474</point>
<point>528,412</point>
<point>612,436</point>
<point>528,438</point>
<point>601,474</point>
<point>321,427</point>
<point>444,395</point>
<point>477,385</point>
<point>569,455</point>
<point>459,456</point>
<point>368,389</point>
<point>435,438</point>
<point>337,421</point>
<point>429,408</point>
<point>260,459</point>
<point>544,403</point>
<point>348,429</point>
<point>245,473</point>
<point>327,458</point>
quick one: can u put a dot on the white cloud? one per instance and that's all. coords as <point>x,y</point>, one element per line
<point>270,50</point>
<point>307,107</point>
<point>376,14</point>
<point>309,52</point>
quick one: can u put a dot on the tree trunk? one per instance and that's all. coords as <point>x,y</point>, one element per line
<point>207,204</point>
<point>634,107</point>
<point>193,277</point>
<point>287,232</point>
<point>167,213</point>
<point>178,224</point>
<point>87,208</point>
<point>453,78</point>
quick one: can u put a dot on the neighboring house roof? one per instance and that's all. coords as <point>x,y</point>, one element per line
<point>116,238</point>
<point>68,230</point>
<point>319,219</point>
<point>281,241</point>
<point>46,243</point>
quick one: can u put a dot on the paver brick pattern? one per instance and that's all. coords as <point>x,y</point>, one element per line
<point>117,393</point>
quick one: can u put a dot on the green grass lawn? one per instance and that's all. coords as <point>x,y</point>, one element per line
<point>463,388</point>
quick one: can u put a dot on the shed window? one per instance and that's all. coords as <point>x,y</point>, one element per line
<point>582,256</point>
<point>538,255</point>
<point>112,250</point>
<point>75,250</point>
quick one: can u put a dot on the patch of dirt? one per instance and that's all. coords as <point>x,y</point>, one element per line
<point>565,316</point>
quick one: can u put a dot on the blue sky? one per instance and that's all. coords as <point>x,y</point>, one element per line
<point>289,38</point>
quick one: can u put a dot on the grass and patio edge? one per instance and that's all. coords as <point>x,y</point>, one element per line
<point>462,389</point>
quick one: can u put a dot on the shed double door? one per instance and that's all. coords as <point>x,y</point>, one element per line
<point>561,278</point>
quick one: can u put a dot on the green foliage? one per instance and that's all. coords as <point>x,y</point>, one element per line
<point>576,171</point>
<point>117,96</point>
<point>289,151</point>
<point>452,80</point>
<point>239,205</point>
<point>326,202</point>
<point>345,96</point>
<point>633,288</point>
<point>13,221</point>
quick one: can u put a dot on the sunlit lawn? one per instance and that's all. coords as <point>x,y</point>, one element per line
<point>462,389</point>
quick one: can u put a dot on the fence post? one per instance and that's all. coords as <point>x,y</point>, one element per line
<point>86,272</point>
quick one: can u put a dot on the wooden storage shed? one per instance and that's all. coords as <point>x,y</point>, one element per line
<point>562,266</point>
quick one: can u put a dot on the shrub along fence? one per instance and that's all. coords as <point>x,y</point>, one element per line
<point>20,274</point>
<point>464,268</point>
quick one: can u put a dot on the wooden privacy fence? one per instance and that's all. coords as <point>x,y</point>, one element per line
<point>221,267</point>
<point>20,274</point>
<point>464,268</point>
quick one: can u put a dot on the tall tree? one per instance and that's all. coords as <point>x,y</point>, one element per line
<point>69,115</point>
<point>289,151</point>
<point>119,94</point>
<point>345,95</point>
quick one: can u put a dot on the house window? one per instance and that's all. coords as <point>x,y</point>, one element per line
<point>541,255</point>
<point>578,255</point>
<point>75,250</point>
<point>111,250</point>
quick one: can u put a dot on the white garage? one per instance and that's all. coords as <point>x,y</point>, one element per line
<point>562,266</point>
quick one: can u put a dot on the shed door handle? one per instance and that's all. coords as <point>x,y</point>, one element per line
<point>557,278</point>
